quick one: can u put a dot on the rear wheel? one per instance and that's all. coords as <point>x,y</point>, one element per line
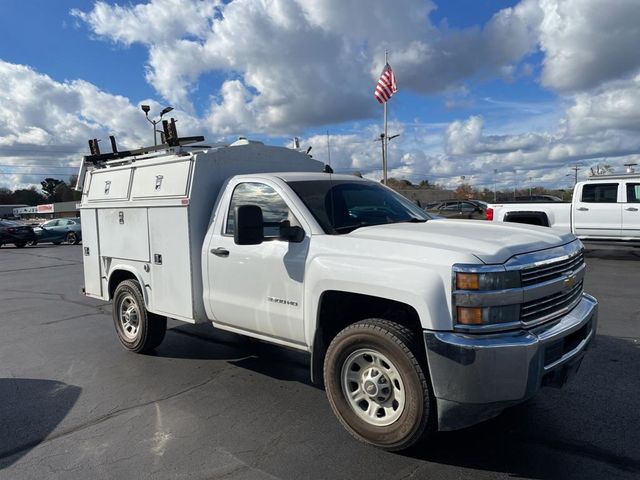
<point>72,238</point>
<point>138,330</point>
<point>376,385</point>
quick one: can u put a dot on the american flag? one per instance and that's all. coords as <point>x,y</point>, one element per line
<point>386,85</point>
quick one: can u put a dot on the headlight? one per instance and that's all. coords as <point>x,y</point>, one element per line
<point>487,280</point>
<point>485,297</point>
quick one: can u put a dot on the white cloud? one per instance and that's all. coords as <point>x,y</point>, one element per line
<point>161,21</point>
<point>293,64</point>
<point>45,124</point>
<point>616,105</point>
<point>588,42</point>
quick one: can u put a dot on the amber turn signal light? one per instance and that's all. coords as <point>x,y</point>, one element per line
<point>467,281</point>
<point>469,315</point>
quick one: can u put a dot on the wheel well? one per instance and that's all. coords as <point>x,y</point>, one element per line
<point>528,218</point>
<point>338,309</point>
<point>116,278</point>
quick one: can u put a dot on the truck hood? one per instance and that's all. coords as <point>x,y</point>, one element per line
<point>492,243</point>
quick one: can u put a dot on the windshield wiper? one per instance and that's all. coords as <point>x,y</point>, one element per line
<point>413,220</point>
<point>349,228</point>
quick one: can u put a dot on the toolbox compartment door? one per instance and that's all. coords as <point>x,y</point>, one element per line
<point>91,253</point>
<point>124,233</point>
<point>109,185</point>
<point>171,282</point>
<point>162,180</point>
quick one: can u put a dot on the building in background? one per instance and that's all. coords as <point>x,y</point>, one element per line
<point>7,211</point>
<point>47,211</point>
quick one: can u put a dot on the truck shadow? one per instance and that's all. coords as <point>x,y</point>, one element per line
<point>203,342</point>
<point>592,419</point>
<point>604,251</point>
<point>584,430</point>
<point>30,409</point>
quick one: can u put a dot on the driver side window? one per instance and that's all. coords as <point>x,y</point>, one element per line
<point>274,208</point>
<point>451,207</point>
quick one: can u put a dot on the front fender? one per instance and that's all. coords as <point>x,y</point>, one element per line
<point>426,290</point>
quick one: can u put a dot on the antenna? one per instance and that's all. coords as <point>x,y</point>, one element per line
<point>328,150</point>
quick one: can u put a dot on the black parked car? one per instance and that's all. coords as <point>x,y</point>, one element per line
<point>16,233</point>
<point>459,209</point>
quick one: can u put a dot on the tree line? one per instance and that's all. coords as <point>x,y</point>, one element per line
<point>465,191</point>
<point>52,190</point>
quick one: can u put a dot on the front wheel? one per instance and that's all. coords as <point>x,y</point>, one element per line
<point>138,330</point>
<point>376,385</point>
<point>20,244</point>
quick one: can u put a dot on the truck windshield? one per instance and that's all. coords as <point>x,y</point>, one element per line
<point>342,206</point>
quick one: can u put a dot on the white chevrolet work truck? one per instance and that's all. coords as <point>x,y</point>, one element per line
<point>413,324</point>
<point>605,207</point>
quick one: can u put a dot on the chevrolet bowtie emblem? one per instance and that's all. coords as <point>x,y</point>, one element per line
<point>570,281</point>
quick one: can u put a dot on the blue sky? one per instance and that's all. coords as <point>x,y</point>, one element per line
<point>525,87</point>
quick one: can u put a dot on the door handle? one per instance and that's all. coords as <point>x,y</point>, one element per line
<point>583,209</point>
<point>220,252</point>
<point>631,209</point>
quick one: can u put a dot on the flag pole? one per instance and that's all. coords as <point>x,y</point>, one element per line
<point>385,141</point>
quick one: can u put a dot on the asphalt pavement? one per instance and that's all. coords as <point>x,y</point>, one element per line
<point>208,405</point>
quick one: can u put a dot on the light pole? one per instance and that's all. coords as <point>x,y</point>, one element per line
<point>385,141</point>
<point>530,180</point>
<point>495,191</point>
<point>145,109</point>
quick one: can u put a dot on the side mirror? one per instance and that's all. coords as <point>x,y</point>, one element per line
<point>249,225</point>
<point>293,234</point>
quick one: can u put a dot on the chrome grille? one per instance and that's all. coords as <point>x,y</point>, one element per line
<point>549,271</point>
<point>551,306</point>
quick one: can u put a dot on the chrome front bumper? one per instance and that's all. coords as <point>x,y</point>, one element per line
<point>475,377</point>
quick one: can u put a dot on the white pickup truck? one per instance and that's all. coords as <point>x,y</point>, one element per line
<point>603,208</point>
<point>412,324</point>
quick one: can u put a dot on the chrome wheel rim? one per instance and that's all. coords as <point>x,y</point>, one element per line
<point>129,317</point>
<point>373,387</point>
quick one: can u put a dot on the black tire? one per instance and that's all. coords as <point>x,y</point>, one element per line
<point>20,244</point>
<point>151,328</point>
<point>399,345</point>
<point>72,238</point>
<point>56,243</point>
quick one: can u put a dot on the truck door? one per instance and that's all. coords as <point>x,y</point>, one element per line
<point>631,210</point>
<point>258,288</point>
<point>597,212</point>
